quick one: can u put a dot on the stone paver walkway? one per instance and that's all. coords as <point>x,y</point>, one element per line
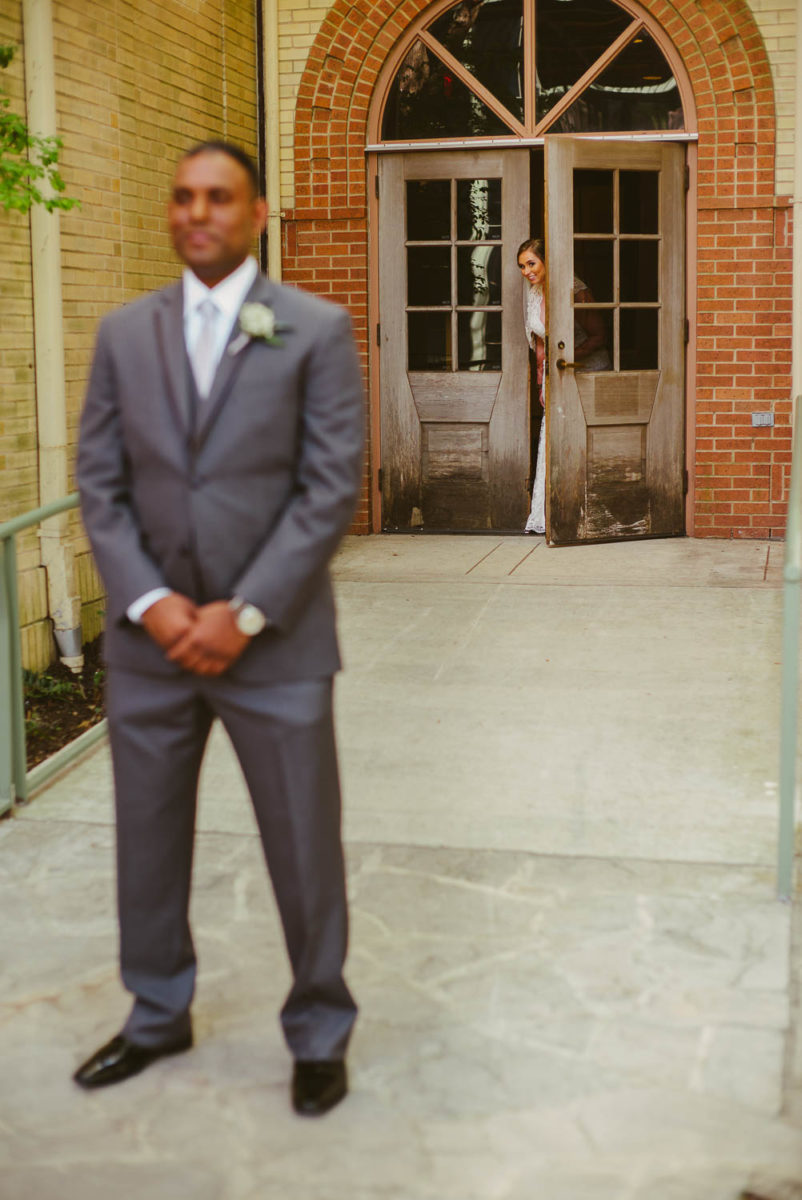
<point>576,983</point>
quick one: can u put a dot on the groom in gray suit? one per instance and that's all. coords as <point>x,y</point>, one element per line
<point>219,462</point>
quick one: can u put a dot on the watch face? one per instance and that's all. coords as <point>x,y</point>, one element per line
<point>250,620</point>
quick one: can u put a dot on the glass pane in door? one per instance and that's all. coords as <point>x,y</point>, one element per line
<point>640,342</point>
<point>429,341</point>
<point>428,210</point>
<point>593,201</point>
<point>639,207</point>
<point>598,324</point>
<point>458,280</point>
<point>594,265</point>
<point>639,270</point>
<point>620,268</point>
<point>478,276</point>
<point>478,209</point>
<point>479,341</point>
<point>428,276</point>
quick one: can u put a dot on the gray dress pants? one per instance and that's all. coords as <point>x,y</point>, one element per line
<point>284,738</point>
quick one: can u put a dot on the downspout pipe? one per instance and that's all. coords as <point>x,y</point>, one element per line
<point>796,306</point>
<point>57,553</point>
<point>273,139</point>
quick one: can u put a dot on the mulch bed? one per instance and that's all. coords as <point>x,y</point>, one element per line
<point>60,704</point>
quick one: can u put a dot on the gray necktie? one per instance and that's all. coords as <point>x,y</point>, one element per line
<point>204,354</point>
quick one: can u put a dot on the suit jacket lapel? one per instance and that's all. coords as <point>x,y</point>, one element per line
<point>169,325</point>
<point>229,367</point>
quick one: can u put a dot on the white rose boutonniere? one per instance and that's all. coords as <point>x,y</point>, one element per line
<point>257,322</point>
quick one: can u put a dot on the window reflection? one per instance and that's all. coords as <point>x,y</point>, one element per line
<point>593,201</point>
<point>478,210</point>
<point>639,201</point>
<point>426,100</point>
<point>454,274</point>
<point>478,275</point>
<point>570,36</point>
<point>486,37</point>
<point>595,327</point>
<point>593,262</point>
<point>479,335</point>
<point>637,91</point>
<point>429,341</point>
<point>428,210</point>
<point>640,345</point>
<point>428,275</point>
<point>639,271</point>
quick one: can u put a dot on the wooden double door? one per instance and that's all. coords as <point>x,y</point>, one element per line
<point>456,445</point>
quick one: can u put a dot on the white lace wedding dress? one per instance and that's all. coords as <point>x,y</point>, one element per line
<point>534,325</point>
<point>598,360</point>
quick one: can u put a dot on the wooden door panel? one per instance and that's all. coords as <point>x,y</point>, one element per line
<point>611,399</point>
<point>454,452</point>
<point>453,361</point>
<point>472,400</point>
<point>617,495</point>
<point>615,435</point>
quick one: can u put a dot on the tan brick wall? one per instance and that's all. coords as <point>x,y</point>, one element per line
<point>299,24</point>
<point>18,465</point>
<point>137,81</point>
<point>776,20</point>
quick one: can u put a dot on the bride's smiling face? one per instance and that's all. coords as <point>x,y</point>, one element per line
<point>533,269</point>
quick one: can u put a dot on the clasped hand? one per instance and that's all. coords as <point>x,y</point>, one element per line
<point>201,638</point>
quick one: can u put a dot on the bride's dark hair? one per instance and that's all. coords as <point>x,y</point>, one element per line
<point>536,245</point>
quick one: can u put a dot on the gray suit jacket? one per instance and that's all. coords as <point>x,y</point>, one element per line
<point>252,502</point>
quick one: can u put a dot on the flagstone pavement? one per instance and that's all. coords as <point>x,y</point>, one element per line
<point>576,982</point>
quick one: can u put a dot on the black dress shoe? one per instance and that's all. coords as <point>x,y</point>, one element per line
<point>119,1059</point>
<point>317,1085</point>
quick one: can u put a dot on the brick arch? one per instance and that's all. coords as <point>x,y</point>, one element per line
<point>721,49</point>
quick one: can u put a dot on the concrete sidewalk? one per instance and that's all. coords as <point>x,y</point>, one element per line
<point>560,772</point>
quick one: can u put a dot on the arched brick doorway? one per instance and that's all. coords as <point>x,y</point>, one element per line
<point>738,256</point>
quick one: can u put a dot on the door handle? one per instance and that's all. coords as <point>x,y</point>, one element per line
<point>562,365</point>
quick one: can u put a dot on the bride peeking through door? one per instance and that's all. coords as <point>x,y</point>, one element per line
<point>589,350</point>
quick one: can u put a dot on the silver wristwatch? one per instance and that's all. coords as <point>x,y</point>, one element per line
<point>250,619</point>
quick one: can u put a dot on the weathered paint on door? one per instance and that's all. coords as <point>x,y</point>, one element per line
<point>615,434</point>
<point>453,359</point>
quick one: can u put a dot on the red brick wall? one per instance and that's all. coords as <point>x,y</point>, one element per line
<point>328,254</point>
<point>744,285</point>
<point>742,246</point>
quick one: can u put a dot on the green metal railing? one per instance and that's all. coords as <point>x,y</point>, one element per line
<point>15,780</point>
<point>792,582</point>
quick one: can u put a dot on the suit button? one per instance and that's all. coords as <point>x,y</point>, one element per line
<point>183,551</point>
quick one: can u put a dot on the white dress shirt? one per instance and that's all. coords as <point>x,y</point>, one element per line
<point>228,297</point>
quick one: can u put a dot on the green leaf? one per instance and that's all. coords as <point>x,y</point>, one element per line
<point>27,159</point>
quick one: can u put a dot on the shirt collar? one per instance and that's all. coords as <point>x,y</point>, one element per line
<point>228,294</point>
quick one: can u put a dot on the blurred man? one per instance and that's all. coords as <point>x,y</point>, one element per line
<point>219,462</point>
